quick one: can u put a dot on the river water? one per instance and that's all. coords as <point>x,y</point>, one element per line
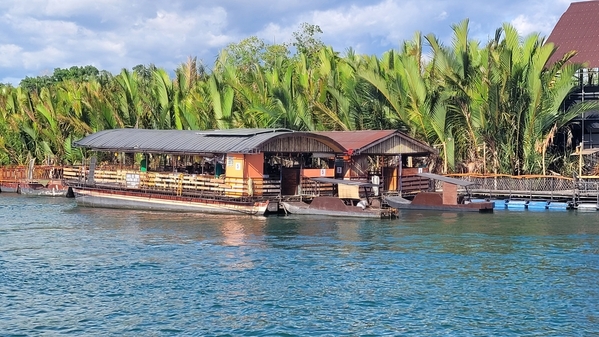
<point>68,270</point>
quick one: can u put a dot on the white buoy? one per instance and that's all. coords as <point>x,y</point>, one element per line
<point>587,207</point>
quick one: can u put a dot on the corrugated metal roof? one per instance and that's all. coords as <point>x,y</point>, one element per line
<point>179,141</point>
<point>361,140</point>
<point>578,29</point>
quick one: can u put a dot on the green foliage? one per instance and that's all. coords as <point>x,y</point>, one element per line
<point>78,74</point>
<point>307,40</point>
<point>495,106</point>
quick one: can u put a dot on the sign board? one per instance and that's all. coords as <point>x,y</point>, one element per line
<point>132,180</point>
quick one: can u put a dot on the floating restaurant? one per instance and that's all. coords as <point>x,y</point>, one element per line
<point>242,171</point>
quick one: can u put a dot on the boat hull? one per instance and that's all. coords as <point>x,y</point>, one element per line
<point>433,205</point>
<point>52,188</point>
<point>9,187</point>
<point>90,197</point>
<point>331,206</point>
<point>452,208</point>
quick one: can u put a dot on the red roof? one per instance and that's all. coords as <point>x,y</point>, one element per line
<point>361,140</point>
<point>357,140</point>
<point>578,29</point>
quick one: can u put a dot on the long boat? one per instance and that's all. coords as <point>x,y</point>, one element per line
<point>160,191</point>
<point>9,186</point>
<point>10,177</point>
<point>43,187</point>
<point>447,200</point>
<point>33,180</point>
<point>333,206</point>
<point>337,206</point>
<point>107,197</point>
<point>432,201</point>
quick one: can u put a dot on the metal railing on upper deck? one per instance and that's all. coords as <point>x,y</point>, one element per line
<point>530,185</point>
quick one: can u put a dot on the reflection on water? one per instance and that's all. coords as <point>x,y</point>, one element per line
<point>85,271</point>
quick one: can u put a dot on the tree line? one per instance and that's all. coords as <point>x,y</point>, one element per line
<point>495,107</point>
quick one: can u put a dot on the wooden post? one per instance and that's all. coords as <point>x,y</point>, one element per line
<point>399,174</point>
<point>580,158</point>
<point>299,186</point>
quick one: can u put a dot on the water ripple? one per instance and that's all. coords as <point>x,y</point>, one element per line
<point>66,270</point>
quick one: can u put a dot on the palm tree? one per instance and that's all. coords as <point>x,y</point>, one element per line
<point>222,94</point>
<point>128,99</point>
<point>459,79</point>
<point>165,114</point>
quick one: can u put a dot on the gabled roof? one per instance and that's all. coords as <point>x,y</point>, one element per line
<point>178,141</point>
<point>207,142</point>
<point>578,30</point>
<point>378,142</point>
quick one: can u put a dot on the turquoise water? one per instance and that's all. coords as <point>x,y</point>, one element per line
<point>66,270</point>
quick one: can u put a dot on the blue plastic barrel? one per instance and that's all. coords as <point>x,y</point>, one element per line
<point>516,204</point>
<point>558,205</point>
<point>537,205</point>
<point>499,203</point>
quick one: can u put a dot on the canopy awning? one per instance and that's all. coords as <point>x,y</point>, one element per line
<point>343,182</point>
<point>449,180</point>
<point>585,152</point>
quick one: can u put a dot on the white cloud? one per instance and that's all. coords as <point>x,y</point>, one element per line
<point>59,8</point>
<point>524,26</point>
<point>40,35</point>
<point>442,16</point>
<point>47,29</point>
<point>10,55</point>
<point>38,59</point>
<point>386,23</point>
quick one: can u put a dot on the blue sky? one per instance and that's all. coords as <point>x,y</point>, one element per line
<point>38,36</point>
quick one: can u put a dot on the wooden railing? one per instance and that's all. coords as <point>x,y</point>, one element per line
<point>13,173</point>
<point>181,183</point>
<point>176,183</point>
<point>40,172</point>
<point>411,184</point>
<point>314,188</point>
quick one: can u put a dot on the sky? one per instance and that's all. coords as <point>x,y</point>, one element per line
<point>38,36</point>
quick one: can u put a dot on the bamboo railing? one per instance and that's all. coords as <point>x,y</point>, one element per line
<point>176,183</point>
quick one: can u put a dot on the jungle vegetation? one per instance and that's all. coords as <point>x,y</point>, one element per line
<point>495,106</point>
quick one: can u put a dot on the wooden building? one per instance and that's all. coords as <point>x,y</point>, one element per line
<point>388,157</point>
<point>238,170</point>
<point>578,30</point>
